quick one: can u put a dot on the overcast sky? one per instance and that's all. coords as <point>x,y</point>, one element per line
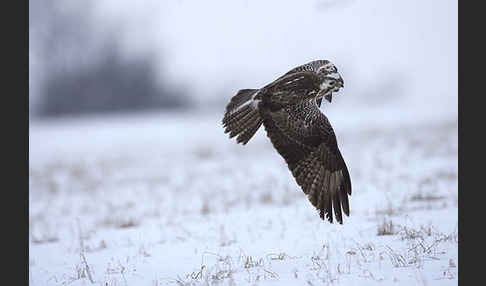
<point>404,48</point>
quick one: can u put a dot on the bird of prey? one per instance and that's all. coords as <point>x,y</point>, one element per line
<point>289,110</point>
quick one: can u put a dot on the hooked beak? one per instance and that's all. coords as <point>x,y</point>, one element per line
<point>327,91</point>
<point>339,81</point>
<point>339,84</point>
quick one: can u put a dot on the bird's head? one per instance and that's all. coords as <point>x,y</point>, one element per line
<point>331,80</point>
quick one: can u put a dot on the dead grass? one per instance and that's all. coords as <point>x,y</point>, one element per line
<point>45,239</point>
<point>407,233</point>
<point>205,210</point>
<point>266,198</point>
<point>227,270</point>
<point>386,228</point>
<point>120,221</point>
<point>83,268</point>
<point>425,197</point>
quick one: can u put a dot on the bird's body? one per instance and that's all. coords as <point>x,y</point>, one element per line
<point>289,110</point>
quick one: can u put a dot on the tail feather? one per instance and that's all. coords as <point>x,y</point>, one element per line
<point>242,118</point>
<point>243,123</point>
<point>233,119</point>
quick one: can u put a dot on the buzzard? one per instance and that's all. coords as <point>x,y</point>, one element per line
<point>289,110</point>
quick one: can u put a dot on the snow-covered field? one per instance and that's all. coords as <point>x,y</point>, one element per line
<point>170,200</point>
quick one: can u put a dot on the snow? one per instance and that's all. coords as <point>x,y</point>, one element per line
<point>164,199</point>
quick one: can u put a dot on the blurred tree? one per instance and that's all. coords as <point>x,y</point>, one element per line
<point>81,70</point>
<point>112,84</point>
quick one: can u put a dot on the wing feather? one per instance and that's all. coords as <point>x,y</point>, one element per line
<point>306,140</point>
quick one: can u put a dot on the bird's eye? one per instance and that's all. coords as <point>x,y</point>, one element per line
<point>332,82</point>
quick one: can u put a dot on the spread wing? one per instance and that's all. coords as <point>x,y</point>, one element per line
<point>305,139</point>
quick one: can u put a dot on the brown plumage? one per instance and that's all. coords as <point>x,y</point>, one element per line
<point>289,110</point>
